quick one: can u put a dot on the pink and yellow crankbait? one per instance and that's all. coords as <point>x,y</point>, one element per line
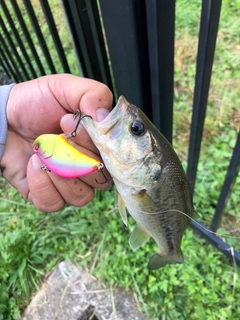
<point>60,157</point>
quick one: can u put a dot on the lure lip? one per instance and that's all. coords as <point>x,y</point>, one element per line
<point>42,154</point>
<point>36,147</point>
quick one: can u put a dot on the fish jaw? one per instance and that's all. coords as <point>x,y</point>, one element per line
<point>116,144</point>
<point>104,133</point>
<point>98,130</point>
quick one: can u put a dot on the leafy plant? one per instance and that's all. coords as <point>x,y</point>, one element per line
<point>206,286</point>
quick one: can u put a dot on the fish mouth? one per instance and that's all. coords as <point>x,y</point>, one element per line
<point>112,119</point>
<point>109,128</point>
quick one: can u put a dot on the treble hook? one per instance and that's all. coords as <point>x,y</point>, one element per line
<point>73,134</point>
<point>100,169</point>
<point>77,114</point>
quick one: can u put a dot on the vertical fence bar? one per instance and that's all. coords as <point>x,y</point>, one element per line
<point>3,65</point>
<point>102,62</point>
<point>18,39</point>
<point>7,66</point>
<point>227,186</point>
<point>11,62</point>
<point>74,23</point>
<point>5,80</point>
<point>14,50</point>
<point>84,23</point>
<point>140,37</point>
<point>160,26</point>
<point>126,34</point>
<point>54,34</point>
<point>207,39</point>
<point>27,36</point>
<point>39,34</point>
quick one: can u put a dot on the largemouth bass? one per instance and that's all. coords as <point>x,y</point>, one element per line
<point>149,178</point>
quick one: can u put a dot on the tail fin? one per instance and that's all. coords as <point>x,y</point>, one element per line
<point>157,261</point>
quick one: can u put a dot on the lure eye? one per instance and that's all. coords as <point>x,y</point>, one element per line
<point>137,127</point>
<point>36,147</point>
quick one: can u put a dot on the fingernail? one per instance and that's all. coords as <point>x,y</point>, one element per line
<point>29,197</point>
<point>67,123</point>
<point>101,114</point>
<point>36,163</point>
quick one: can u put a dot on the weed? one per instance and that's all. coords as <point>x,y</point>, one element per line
<point>206,286</point>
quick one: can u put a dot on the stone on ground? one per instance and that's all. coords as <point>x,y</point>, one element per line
<point>71,293</point>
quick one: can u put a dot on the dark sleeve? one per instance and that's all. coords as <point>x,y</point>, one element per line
<point>4,94</point>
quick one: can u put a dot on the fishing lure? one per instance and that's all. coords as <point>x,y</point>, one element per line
<point>59,156</point>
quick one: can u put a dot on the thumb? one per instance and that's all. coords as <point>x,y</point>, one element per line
<point>82,138</point>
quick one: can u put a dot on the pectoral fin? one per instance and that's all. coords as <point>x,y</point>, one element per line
<point>138,237</point>
<point>157,261</point>
<point>146,201</point>
<point>122,209</point>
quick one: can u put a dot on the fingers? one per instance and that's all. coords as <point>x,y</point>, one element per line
<point>14,162</point>
<point>74,191</point>
<point>83,143</point>
<point>37,106</point>
<point>42,192</point>
<point>82,138</point>
<point>87,95</point>
<point>47,99</point>
<point>98,179</point>
<point>50,192</point>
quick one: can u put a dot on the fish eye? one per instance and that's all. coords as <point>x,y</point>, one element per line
<point>36,147</point>
<point>137,127</point>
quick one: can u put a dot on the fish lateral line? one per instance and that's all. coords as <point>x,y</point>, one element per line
<point>130,135</point>
<point>190,218</point>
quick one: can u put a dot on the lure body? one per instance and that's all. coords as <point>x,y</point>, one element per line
<point>60,157</point>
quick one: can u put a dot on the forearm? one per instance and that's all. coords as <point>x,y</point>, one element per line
<point>4,94</point>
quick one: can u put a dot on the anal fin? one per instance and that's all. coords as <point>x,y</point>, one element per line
<point>138,237</point>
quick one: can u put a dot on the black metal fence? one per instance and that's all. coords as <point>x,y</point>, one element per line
<point>128,45</point>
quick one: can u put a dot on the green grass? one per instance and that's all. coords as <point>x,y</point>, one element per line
<point>207,285</point>
<point>32,243</point>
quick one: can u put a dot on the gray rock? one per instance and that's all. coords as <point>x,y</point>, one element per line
<point>70,293</point>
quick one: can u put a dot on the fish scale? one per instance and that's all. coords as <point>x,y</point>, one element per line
<point>149,178</point>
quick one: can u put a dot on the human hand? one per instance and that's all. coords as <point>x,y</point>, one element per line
<point>39,106</point>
